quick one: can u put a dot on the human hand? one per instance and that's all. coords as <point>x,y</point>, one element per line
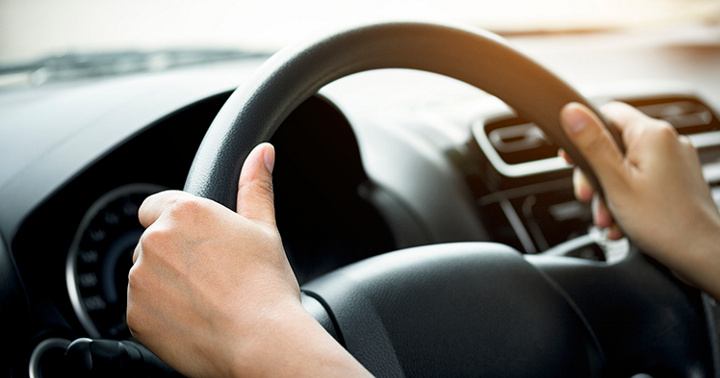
<point>211,291</point>
<point>194,273</point>
<point>655,192</point>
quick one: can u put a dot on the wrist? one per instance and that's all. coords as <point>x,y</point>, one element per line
<point>698,261</point>
<point>294,344</point>
<point>266,342</point>
<point>707,263</point>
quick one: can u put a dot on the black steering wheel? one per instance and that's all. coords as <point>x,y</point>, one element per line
<point>466,309</point>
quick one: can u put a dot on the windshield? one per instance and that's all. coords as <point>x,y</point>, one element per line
<point>37,29</point>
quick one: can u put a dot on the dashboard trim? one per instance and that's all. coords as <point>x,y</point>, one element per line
<point>514,170</point>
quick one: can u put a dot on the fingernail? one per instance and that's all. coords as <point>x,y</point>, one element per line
<point>615,233</point>
<point>574,118</point>
<point>269,157</point>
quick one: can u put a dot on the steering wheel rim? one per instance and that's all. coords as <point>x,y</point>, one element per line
<point>256,109</point>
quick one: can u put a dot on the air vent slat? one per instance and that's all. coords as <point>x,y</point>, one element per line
<point>518,141</point>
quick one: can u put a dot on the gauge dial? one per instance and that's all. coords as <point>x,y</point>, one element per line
<point>100,258</point>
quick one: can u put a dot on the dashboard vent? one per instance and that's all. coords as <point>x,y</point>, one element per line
<point>687,114</point>
<point>518,141</point>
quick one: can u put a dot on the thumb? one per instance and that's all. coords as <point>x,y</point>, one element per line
<point>255,200</point>
<point>595,143</point>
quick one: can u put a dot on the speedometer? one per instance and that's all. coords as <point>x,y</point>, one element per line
<point>100,258</point>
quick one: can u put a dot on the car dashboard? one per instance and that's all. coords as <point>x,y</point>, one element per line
<point>375,162</point>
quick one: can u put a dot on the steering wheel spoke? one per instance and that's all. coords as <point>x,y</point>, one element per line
<point>457,310</point>
<point>645,318</point>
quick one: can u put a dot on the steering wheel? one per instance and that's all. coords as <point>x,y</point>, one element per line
<point>466,309</point>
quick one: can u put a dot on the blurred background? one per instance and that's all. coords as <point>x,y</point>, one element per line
<point>32,29</point>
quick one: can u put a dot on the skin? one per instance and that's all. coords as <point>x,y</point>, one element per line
<point>211,291</point>
<point>655,193</point>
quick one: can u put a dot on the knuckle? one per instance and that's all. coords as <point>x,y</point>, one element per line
<point>685,142</point>
<point>134,324</point>
<point>183,217</point>
<point>155,239</point>
<point>134,318</point>
<point>187,208</point>
<point>666,129</point>
<point>133,330</point>
<point>664,134</point>
<point>660,128</point>
<point>140,304</point>
<point>135,278</point>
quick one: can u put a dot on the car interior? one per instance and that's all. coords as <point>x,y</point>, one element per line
<point>419,194</point>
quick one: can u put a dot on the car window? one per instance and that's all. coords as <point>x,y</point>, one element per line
<point>33,28</point>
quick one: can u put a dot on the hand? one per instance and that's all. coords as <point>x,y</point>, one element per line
<point>211,291</point>
<point>655,193</point>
